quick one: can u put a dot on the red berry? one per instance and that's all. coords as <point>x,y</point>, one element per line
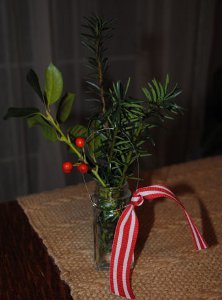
<point>80,142</point>
<point>67,167</point>
<point>83,168</point>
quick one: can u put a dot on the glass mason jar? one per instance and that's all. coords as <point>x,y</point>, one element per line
<point>108,205</point>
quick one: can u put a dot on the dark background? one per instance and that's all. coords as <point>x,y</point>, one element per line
<point>152,38</point>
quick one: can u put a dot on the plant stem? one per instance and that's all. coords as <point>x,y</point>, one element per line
<point>95,173</point>
<point>100,77</point>
<point>113,144</point>
<point>63,138</point>
<point>126,168</point>
<point>100,72</point>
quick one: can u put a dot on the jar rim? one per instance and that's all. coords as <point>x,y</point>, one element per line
<point>110,196</point>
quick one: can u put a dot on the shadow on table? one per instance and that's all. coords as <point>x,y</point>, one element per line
<point>146,216</point>
<point>208,230</point>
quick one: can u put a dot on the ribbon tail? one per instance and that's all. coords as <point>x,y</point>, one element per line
<point>126,235</point>
<point>153,192</point>
<point>122,253</point>
<point>199,242</point>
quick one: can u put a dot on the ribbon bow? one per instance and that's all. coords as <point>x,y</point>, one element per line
<point>126,235</point>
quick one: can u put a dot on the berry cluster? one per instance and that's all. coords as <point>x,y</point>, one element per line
<point>82,167</point>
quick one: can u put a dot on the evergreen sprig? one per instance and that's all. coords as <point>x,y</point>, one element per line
<point>117,132</point>
<point>98,30</point>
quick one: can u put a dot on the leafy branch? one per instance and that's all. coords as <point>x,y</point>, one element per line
<point>51,125</point>
<point>159,100</point>
<point>116,135</point>
<point>98,31</point>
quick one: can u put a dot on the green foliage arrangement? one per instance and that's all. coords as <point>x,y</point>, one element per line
<point>121,125</point>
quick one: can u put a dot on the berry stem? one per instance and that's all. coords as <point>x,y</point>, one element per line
<point>66,139</point>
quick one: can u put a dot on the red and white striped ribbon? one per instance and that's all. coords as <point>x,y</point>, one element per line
<point>126,235</point>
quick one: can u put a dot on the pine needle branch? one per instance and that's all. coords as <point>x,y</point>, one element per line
<point>97,32</point>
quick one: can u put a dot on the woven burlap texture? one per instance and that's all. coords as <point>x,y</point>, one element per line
<point>167,266</point>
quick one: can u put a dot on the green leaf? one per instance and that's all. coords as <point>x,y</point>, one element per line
<point>127,86</point>
<point>33,80</point>
<point>174,93</point>
<point>161,91</point>
<point>65,107</point>
<point>147,93</point>
<point>88,46</point>
<point>78,131</point>
<point>48,132</point>
<point>20,112</point>
<point>93,85</point>
<point>166,83</point>
<point>53,84</point>
<point>157,88</point>
<point>117,89</point>
<point>145,154</point>
<point>36,120</point>
<point>153,92</point>
<point>94,145</point>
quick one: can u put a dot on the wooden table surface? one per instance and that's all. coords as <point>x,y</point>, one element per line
<point>26,270</point>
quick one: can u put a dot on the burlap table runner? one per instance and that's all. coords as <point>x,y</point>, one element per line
<point>167,267</point>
